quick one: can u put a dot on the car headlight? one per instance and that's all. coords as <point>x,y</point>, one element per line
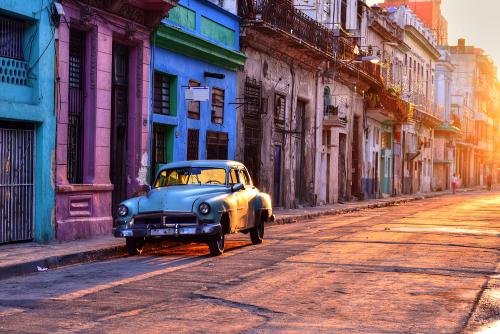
<point>204,208</point>
<point>122,211</point>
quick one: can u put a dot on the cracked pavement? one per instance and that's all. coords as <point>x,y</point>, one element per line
<point>428,266</point>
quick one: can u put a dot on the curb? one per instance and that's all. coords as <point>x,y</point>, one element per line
<point>106,253</point>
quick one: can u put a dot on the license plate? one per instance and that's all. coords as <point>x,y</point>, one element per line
<point>163,231</point>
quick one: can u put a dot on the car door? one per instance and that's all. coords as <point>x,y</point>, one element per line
<point>238,198</point>
<point>249,195</point>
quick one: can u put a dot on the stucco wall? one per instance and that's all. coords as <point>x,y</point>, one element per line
<point>34,104</point>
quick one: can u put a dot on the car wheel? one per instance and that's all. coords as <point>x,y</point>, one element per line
<point>257,234</point>
<point>216,244</point>
<point>135,246</point>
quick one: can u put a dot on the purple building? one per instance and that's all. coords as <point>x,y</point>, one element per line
<point>103,66</point>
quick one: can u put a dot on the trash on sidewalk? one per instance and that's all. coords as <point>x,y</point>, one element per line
<point>41,268</point>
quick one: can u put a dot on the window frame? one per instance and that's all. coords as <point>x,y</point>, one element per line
<point>159,110</point>
<point>215,118</point>
<point>194,114</point>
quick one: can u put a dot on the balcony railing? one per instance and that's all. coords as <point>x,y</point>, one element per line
<point>13,71</point>
<point>283,15</point>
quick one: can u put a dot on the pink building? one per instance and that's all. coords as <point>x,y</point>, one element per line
<point>102,88</point>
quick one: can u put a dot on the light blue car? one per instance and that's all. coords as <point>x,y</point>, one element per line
<point>195,201</point>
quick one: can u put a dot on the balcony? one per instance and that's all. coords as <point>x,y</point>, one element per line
<point>146,12</point>
<point>281,17</point>
<point>480,116</point>
<point>399,108</point>
<point>331,118</point>
<point>13,71</point>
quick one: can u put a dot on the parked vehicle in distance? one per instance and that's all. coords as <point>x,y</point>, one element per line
<point>195,201</point>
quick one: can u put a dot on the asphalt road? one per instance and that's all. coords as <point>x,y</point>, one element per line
<point>429,266</point>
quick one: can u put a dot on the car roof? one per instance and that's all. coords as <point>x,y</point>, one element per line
<point>203,163</point>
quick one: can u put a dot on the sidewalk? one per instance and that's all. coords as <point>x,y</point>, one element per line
<point>23,258</point>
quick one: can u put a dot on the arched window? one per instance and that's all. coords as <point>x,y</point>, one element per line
<point>326,99</point>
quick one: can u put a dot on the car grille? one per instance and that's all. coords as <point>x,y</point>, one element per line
<point>166,219</point>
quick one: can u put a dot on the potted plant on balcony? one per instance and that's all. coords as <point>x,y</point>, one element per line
<point>372,100</point>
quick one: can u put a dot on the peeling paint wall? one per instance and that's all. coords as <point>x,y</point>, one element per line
<point>298,86</point>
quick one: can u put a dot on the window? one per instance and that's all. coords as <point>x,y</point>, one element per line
<point>159,148</point>
<point>161,94</point>
<point>386,140</point>
<point>279,111</point>
<point>217,105</point>
<point>191,175</point>
<point>233,177</point>
<point>194,106</point>
<point>245,178</point>
<point>11,38</point>
<point>217,145</point>
<point>193,142</point>
<point>76,94</point>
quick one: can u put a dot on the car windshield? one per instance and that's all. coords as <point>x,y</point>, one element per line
<point>190,175</point>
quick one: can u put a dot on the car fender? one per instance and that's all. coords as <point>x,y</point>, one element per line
<point>219,205</point>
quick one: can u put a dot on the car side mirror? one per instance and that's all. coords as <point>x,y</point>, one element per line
<point>146,188</point>
<point>237,187</point>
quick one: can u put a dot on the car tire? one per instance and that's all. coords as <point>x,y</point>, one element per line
<point>216,244</point>
<point>135,246</point>
<point>257,234</point>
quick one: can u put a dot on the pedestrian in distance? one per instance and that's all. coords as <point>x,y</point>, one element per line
<point>489,181</point>
<point>454,183</point>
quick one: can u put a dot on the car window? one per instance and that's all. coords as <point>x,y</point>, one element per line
<point>191,175</point>
<point>233,176</point>
<point>244,177</point>
<point>207,176</point>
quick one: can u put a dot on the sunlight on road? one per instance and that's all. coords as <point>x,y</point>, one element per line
<point>493,328</point>
<point>446,230</point>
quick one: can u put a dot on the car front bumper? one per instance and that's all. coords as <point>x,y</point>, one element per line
<point>173,232</point>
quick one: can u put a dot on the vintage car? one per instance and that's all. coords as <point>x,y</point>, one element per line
<point>195,201</point>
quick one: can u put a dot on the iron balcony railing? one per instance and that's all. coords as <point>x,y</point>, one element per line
<point>283,15</point>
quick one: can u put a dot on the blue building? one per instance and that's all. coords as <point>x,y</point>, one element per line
<point>27,121</point>
<point>197,46</point>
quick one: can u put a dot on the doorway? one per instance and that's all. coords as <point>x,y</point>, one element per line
<point>355,158</point>
<point>17,148</point>
<point>299,151</point>
<point>277,176</point>
<point>342,168</point>
<point>119,121</point>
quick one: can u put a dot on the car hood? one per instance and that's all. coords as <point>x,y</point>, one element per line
<point>176,198</point>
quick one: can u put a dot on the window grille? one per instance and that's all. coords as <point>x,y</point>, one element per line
<point>11,38</point>
<point>161,94</point>
<point>217,145</point>
<point>76,106</point>
<point>279,111</point>
<point>217,105</point>
<point>159,148</point>
<point>193,143</point>
<point>194,106</point>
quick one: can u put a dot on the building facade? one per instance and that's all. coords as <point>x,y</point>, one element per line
<point>103,53</point>
<point>196,50</point>
<point>474,110</point>
<point>417,65</point>
<point>27,121</point>
<point>446,135</point>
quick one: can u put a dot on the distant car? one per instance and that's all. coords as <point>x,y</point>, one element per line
<point>195,201</point>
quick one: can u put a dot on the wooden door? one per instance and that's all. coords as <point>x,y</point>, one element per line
<point>119,124</point>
